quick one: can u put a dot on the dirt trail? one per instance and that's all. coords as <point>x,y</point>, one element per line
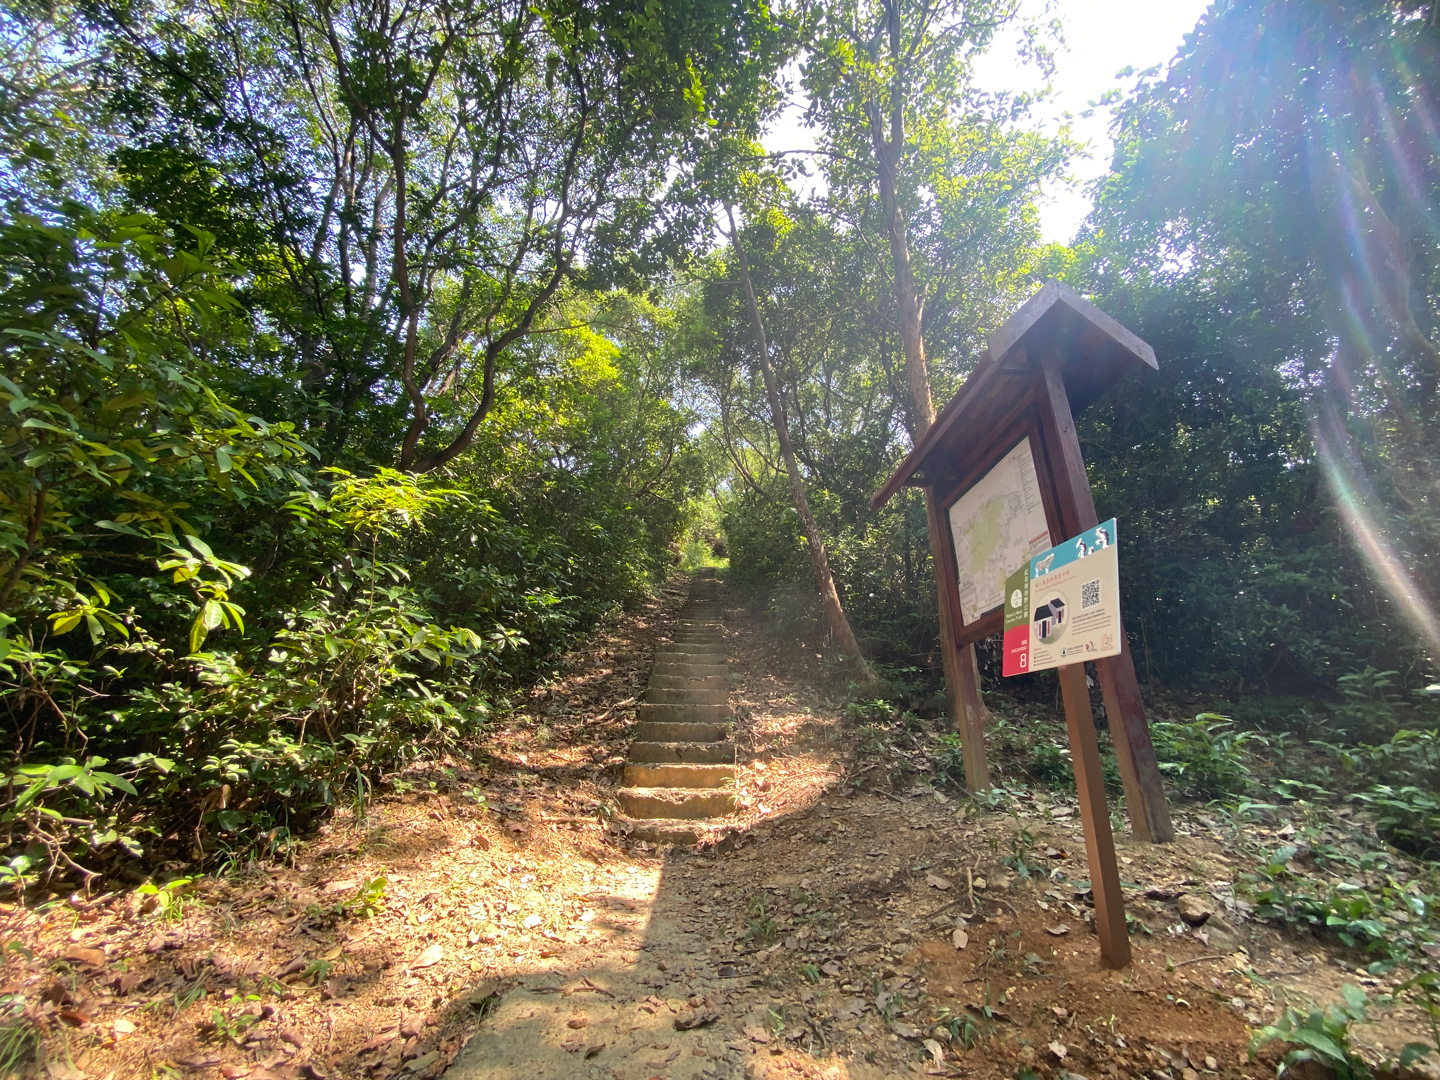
<point>857,921</point>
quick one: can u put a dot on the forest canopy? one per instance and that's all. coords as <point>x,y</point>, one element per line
<point>358,359</point>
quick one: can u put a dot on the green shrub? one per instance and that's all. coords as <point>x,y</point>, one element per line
<point>1205,755</point>
<point>1049,763</point>
<point>1409,818</point>
<point>1394,921</point>
<point>1399,779</point>
<point>950,756</point>
<point>200,625</point>
<point>1323,1036</point>
<point>1406,757</point>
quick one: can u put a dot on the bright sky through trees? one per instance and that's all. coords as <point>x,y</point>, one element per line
<point>1102,37</point>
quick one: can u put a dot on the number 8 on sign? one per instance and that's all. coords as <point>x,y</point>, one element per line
<point>1016,649</point>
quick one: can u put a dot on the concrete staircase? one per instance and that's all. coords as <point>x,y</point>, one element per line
<point>682,763</point>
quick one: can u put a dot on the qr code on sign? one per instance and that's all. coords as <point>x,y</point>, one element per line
<point>1090,594</point>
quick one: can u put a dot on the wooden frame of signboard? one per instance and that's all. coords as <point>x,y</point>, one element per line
<point>1051,359</point>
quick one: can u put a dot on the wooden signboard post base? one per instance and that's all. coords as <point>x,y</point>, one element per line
<point>1099,842</point>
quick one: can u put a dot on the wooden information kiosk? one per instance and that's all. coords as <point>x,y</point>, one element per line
<point>1048,362</point>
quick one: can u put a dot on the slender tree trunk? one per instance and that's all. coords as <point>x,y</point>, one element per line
<point>962,674</point>
<point>824,580</point>
<point>907,294</point>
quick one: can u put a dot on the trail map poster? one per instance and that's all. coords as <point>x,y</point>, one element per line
<point>997,525</point>
<point>1063,606</point>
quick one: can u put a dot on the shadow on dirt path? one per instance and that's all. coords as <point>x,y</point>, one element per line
<point>827,949</point>
<point>859,921</point>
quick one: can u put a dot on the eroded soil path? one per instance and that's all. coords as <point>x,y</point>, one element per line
<point>858,920</point>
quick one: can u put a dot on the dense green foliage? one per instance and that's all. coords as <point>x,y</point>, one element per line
<point>209,633</point>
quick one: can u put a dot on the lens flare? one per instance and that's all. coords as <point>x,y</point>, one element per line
<point>1353,495</point>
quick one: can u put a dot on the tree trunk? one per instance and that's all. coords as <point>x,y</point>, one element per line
<point>962,674</point>
<point>824,580</point>
<point>907,295</point>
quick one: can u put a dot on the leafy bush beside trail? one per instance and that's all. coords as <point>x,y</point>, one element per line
<point>208,637</point>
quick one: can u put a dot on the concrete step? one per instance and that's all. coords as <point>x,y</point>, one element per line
<point>648,712</point>
<point>680,766</point>
<point>718,683</point>
<point>657,695</point>
<point>683,753</point>
<point>679,775</point>
<point>670,669</point>
<point>659,831</point>
<point>696,733</point>
<point>684,650</point>
<point>672,803</point>
<point>707,659</point>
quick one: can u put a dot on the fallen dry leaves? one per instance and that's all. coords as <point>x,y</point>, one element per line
<point>874,924</point>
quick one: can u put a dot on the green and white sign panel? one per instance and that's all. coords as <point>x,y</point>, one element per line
<point>1063,606</point>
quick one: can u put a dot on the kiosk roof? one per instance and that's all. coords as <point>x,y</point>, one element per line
<point>1096,351</point>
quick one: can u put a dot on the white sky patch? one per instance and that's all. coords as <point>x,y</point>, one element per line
<point>1102,37</point>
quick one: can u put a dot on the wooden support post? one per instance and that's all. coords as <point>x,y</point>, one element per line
<point>1129,730</point>
<point>962,677</point>
<point>1099,843</point>
<point>1134,752</point>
